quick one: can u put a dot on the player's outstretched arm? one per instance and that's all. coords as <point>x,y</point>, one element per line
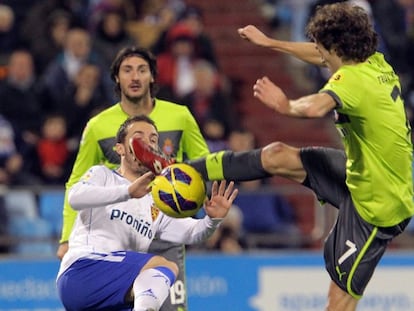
<point>92,191</point>
<point>305,51</point>
<point>310,106</point>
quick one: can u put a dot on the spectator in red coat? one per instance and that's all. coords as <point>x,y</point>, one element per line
<point>54,150</point>
<point>176,65</point>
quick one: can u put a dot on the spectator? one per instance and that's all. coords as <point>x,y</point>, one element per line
<point>191,17</point>
<point>228,238</point>
<point>65,67</point>
<point>44,25</point>
<point>127,8</point>
<point>10,160</point>
<point>53,151</point>
<point>20,9</point>
<point>110,35</point>
<point>208,100</point>
<point>176,77</point>
<point>12,169</point>
<point>9,38</point>
<point>35,24</point>
<point>21,104</point>
<point>151,26</point>
<point>215,135</point>
<point>50,42</point>
<point>82,99</point>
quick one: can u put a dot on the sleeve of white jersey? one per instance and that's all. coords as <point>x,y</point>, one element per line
<point>93,190</point>
<point>187,230</point>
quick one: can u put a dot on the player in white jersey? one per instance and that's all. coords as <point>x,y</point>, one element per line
<point>107,266</point>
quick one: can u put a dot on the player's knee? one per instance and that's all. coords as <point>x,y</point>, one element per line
<point>172,266</point>
<point>160,261</point>
<point>271,155</point>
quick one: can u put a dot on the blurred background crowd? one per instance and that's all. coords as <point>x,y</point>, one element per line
<point>55,57</point>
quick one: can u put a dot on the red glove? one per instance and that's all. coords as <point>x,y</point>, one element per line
<point>152,159</point>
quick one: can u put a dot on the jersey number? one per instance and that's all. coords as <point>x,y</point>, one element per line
<point>352,249</point>
<point>177,293</point>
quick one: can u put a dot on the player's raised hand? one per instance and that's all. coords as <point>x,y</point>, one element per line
<point>271,95</point>
<point>221,200</point>
<point>141,186</point>
<point>253,34</point>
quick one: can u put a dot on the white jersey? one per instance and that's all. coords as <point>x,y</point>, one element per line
<point>109,220</point>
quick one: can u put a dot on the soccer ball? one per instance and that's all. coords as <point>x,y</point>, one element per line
<point>179,191</point>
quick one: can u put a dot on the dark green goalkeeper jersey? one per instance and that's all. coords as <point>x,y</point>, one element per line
<point>179,137</point>
<point>370,117</point>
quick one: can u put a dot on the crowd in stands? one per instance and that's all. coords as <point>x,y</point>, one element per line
<point>55,60</point>
<point>55,57</point>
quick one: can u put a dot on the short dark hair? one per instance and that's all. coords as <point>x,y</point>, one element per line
<point>346,28</point>
<point>122,131</point>
<point>133,51</point>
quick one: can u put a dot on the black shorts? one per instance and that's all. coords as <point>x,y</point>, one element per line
<point>353,247</point>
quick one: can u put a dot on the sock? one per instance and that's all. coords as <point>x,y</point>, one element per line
<point>237,166</point>
<point>151,288</point>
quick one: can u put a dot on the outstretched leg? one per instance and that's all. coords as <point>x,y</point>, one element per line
<point>274,159</point>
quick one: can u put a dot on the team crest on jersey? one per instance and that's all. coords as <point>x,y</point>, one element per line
<point>154,212</point>
<point>86,176</point>
<point>168,147</point>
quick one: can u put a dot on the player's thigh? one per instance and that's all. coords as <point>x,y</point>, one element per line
<point>352,250</point>
<point>161,261</point>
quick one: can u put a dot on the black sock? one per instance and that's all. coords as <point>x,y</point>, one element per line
<point>236,166</point>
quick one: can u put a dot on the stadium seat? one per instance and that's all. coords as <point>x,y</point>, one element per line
<point>50,208</point>
<point>20,203</point>
<point>268,220</point>
<point>264,212</point>
<point>33,237</point>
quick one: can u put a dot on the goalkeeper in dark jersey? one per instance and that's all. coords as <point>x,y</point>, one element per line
<point>134,72</point>
<point>370,181</point>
